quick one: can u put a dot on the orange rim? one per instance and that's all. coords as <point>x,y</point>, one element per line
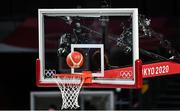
<point>68,75</point>
<point>86,75</point>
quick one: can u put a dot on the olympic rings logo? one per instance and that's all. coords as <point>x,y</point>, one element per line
<point>49,73</point>
<point>126,74</point>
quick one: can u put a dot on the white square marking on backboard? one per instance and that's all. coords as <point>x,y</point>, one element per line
<point>98,46</point>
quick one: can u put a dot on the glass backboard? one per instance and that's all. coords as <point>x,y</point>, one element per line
<point>99,35</point>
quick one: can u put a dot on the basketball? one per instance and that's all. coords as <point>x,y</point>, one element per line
<point>74,59</point>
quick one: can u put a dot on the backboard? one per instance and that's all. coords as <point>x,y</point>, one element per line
<point>109,53</point>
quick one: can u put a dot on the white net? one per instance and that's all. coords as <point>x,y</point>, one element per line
<point>69,87</point>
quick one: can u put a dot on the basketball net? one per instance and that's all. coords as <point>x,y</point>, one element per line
<point>70,86</point>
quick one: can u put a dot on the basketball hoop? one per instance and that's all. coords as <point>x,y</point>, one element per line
<point>70,85</point>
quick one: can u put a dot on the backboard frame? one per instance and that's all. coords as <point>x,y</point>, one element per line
<point>87,13</point>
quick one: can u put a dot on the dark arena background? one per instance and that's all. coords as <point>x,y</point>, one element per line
<point>19,51</point>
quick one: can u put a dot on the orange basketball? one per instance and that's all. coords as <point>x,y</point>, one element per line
<point>74,59</point>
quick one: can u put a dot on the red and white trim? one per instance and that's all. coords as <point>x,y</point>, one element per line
<point>142,71</point>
